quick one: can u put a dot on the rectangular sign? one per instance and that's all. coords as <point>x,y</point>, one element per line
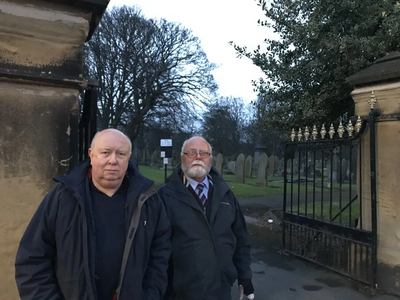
<point>166,142</point>
<point>165,161</point>
<point>162,154</point>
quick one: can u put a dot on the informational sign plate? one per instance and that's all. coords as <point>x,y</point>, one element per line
<point>165,161</point>
<point>162,154</point>
<point>166,142</point>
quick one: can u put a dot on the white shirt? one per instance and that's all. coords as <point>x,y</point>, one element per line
<point>193,183</point>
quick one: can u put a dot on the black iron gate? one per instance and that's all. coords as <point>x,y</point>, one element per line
<point>82,132</point>
<point>326,218</point>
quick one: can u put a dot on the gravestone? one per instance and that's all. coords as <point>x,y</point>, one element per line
<point>232,166</point>
<point>240,168</point>
<point>344,170</point>
<point>271,165</point>
<point>281,167</point>
<point>295,166</point>
<point>218,165</point>
<point>262,170</point>
<point>214,161</point>
<point>335,162</point>
<point>276,168</point>
<point>248,166</point>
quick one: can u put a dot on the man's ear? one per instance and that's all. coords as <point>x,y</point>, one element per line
<point>90,154</point>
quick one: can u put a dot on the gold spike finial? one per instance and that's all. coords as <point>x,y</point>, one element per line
<point>357,127</point>
<point>350,128</point>
<point>331,131</point>
<point>293,135</point>
<point>323,131</point>
<point>372,101</point>
<point>299,135</point>
<point>314,132</point>
<point>340,130</point>
<point>306,133</point>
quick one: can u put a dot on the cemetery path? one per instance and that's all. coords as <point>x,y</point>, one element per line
<point>277,276</point>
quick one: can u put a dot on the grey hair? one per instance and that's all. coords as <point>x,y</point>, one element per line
<point>186,141</point>
<point>113,129</point>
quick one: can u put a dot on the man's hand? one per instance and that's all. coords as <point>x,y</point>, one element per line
<point>246,289</point>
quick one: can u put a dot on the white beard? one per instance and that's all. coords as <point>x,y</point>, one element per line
<point>198,171</point>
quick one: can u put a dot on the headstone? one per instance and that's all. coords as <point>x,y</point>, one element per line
<point>218,165</point>
<point>271,165</point>
<point>214,161</point>
<point>248,168</point>
<point>232,166</point>
<point>335,177</point>
<point>295,166</point>
<point>276,165</point>
<point>289,166</point>
<point>240,168</point>
<point>262,170</point>
<point>344,170</point>
<point>258,151</point>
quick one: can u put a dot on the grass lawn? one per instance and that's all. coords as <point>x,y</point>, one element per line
<point>328,213</point>
<point>249,189</point>
<point>241,190</point>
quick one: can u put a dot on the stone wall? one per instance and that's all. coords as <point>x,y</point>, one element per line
<point>388,178</point>
<point>41,50</point>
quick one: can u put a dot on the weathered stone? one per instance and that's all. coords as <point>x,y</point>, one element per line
<point>248,168</point>
<point>240,168</point>
<point>41,78</point>
<point>262,170</point>
<point>387,92</point>
<point>220,161</point>
<point>232,167</point>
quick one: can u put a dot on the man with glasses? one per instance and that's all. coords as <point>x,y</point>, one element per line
<point>210,244</point>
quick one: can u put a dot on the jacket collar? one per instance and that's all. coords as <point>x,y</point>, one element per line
<point>175,182</point>
<point>75,180</point>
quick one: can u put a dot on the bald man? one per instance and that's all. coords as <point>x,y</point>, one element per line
<point>101,233</point>
<point>210,245</point>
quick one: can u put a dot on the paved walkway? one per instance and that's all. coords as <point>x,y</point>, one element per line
<point>281,277</point>
<point>270,201</point>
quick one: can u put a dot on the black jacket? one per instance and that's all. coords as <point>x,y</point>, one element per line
<point>206,255</point>
<point>56,256</point>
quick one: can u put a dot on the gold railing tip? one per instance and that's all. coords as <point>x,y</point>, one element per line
<point>306,133</point>
<point>314,132</point>
<point>323,131</point>
<point>293,135</point>
<point>350,128</point>
<point>299,135</point>
<point>372,101</point>
<point>357,127</point>
<point>331,131</point>
<point>340,130</point>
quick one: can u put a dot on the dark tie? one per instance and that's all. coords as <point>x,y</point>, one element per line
<point>200,193</point>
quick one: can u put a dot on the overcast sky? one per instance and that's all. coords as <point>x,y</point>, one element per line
<point>216,22</point>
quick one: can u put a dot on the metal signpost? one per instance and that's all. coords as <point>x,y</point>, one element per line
<point>166,152</point>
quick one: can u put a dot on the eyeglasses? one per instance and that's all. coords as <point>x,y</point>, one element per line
<point>192,153</point>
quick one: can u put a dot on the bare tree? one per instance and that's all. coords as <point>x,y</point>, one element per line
<point>223,124</point>
<point>146,68</point>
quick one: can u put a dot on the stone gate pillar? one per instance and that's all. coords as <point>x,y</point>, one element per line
<point>379,86</point>
<point>41,46</point>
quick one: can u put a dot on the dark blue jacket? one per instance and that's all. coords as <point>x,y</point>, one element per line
<point>56,256</point>
<point>206,255</point>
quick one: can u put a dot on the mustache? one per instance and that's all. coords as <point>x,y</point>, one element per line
<point>201,163</point>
